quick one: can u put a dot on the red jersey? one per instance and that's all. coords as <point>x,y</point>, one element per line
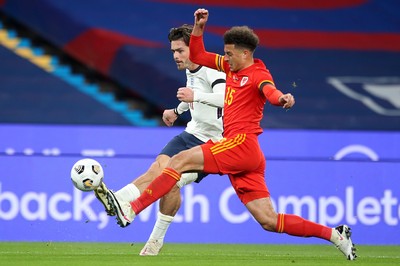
<point>244,95</point>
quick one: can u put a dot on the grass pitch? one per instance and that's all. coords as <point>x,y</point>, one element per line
<point>60,253</point>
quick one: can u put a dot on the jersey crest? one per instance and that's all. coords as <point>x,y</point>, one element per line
<point>244,81</point>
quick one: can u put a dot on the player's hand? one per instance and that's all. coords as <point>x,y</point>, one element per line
<point>185,94</point>
<point>287,100</point>
<point>169,117</point>
<point>200,17</point>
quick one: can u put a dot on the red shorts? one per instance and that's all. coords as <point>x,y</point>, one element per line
<point>241,158</point>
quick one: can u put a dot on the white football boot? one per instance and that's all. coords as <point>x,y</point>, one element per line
<point>101,195</point>
<point>343,241</point>
<point>152,248</point>
<point>123,210</point>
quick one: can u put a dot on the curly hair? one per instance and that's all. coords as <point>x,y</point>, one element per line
<point>182,32</point>
<point>241,36</point>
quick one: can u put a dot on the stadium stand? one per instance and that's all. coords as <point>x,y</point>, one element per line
<point>30,95</point>
<point>38,88</point>
<point>340,58</point>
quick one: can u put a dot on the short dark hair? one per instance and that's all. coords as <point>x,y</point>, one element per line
<point>241,36</point>
<point>182,32</point>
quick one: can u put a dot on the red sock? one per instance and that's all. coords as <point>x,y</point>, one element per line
<point>297,226</point>
<point>158,188</point>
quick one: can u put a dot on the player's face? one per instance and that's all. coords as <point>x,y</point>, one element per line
<point>180,52</point>
<point>235,57</point>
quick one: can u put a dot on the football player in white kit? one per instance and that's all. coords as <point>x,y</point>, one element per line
<point>204,97</point>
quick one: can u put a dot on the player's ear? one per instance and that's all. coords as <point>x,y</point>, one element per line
<point>245,53</point>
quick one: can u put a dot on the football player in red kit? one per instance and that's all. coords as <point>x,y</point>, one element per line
<point>249,85</point>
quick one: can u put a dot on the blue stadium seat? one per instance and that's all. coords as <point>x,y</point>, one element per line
<point>28,94</point>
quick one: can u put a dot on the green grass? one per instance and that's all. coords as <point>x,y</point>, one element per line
<point>59,253</point>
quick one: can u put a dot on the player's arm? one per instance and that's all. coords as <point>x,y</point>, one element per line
<point>275,96</point>
<point>181,108</point>
<point>198,53</point>
<point>215,99</point>
<point>217,83</point>
<point>170,115</point>
<point>200,20</point>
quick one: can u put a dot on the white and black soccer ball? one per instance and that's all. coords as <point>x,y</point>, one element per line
<point>87,174</point>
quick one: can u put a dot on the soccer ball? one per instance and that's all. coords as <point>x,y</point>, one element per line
<point>87,174</point>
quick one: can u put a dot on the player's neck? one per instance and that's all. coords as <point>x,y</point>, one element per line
<point>246,64</point>
<point>192,66</point>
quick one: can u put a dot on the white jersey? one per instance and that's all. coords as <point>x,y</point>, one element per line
<point>206,110</point>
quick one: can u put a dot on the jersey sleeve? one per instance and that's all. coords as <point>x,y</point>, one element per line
<point>182,107</point>
<point>267,87</point>
<point>217,83</point>
<point>271,93</point>
<point>199,55</point>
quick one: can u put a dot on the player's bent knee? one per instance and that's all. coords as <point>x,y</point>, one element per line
<point>155,169</point>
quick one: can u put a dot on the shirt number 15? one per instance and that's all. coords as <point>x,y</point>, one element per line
<point>229,95</point>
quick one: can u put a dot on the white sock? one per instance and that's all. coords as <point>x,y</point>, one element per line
<point>128,193</point>
<point>334,236</point>
<point>161,226</point>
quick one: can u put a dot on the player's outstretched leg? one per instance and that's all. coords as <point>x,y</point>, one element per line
<point>342,240</point>
<point>101,195</point>
<point>123,210</point>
